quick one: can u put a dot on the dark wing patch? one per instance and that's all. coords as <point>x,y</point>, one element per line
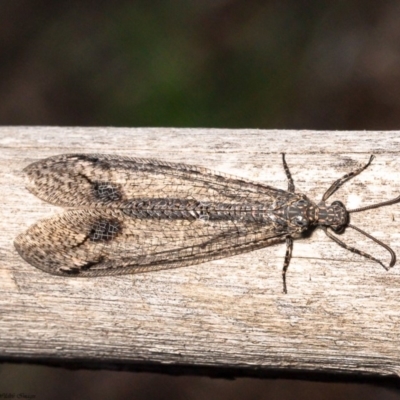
<point>94,180</point>
<point>108,242</point>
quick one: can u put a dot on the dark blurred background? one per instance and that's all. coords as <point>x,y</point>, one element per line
<point>206,63</point>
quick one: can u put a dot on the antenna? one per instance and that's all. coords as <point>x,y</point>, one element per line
<point>335,186</point>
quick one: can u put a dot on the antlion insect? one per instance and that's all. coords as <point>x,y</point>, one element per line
<point>131,215</point>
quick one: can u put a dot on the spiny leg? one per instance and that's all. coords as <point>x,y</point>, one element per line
<point>359,252</point>
<point>337,184</point>
<point>288,256</point>
<point>288,175</point>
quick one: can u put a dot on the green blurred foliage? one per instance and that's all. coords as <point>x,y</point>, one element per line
<point>221,63</point>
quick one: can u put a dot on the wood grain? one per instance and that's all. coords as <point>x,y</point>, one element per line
<point>341,313</point>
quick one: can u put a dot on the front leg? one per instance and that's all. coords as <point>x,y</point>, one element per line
<point>338,183</point>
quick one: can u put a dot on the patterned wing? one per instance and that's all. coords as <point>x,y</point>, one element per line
<point>95,242</point>
<point>94,180</point>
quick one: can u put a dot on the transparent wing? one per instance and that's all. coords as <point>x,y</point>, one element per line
<point>109,242</point>
<point>94,180</point>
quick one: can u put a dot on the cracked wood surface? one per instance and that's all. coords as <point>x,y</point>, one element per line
<point>340,313</point>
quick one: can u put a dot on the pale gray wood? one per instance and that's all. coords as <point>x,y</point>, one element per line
<point>341,314</point>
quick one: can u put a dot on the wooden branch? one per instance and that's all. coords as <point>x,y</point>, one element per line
<point>341,313</point>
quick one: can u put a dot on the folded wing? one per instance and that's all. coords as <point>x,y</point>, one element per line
<point>94,180</point>
<point>95,242</point>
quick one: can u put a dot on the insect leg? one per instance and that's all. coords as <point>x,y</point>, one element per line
<point>338,183</point>
<point>288,256</point>
<point>288,175</point>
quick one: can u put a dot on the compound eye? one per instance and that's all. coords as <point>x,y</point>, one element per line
<point>338,228</point>
<point>300,221</point>
<point>301,203</point>
<point>338,203</point>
